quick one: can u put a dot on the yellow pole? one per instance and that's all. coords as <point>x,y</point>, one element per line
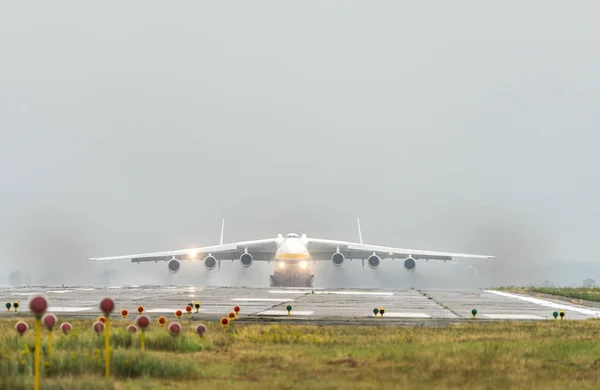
<point>50,344</point>
<point>38,341</point>
<point>106,349</point>
<point>142,340</point>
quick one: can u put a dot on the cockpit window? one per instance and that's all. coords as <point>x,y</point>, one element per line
<point>292,235</point>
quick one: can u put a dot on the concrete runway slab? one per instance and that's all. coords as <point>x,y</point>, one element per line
<point>352,306</point>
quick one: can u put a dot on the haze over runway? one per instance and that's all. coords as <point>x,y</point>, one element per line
<point>136,127</point>
<point>336,306</point>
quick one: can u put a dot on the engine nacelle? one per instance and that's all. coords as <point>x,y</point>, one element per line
<point>173,266</point>
<point>210,262</point>
<point>373,261</point>
<point>337,259</point>
<point>246,259</point>
<point>410,264</point>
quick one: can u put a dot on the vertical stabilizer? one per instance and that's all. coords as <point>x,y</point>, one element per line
<point>359,232</point>
<point>222,231</point>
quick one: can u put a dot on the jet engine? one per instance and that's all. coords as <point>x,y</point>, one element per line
<point>210,262</point>
<point>173,265</point>
<point>337,258</point>
<point>373,261</point>
<point>246,259</point>
<point>410,264</point>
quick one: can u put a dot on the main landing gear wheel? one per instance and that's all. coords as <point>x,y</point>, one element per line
<point>291,279</point>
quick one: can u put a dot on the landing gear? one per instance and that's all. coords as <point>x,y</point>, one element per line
<point>292,277</point>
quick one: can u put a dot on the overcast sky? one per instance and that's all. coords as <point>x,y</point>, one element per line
<point>454,126</point>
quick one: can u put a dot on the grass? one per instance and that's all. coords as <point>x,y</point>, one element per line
<point>585,293</point>
<point>525,355</point>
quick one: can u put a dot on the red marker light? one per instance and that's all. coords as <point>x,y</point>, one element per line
<point>102,319</point>
<point>201,329</point>
<point>49,320</point>
<point>38,305</point>
<point>231,315</point>
<point>132,328</point>
<point>21,327</point>
<point>162,321</point>
<point>174,328</point>
<point>98,327</point>
<point>236,309</point>
<point>65,327</point>
<point>140,309</point>
<point>188,308</point>
<point>107,306</point>
<point>224,321</point>
<point>178,313</point>
<point>143,322</point>
<point>124,313</point>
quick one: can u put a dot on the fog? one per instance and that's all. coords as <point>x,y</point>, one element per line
<point>130,127</point>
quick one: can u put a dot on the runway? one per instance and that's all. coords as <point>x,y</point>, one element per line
<point>325,306</point>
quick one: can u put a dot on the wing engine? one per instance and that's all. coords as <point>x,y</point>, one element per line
<point>210,262</point>
<point>337,259</point>
<point>173,265</point>
<point>374,261</point>
<point>246,259</point>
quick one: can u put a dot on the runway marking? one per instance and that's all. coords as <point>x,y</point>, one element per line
<point>289,292</point>
<point>406,315</point>
<point>262,300</point>
<point>549,304</point>
<point>353,293</point>
<point>26,294</point>
<point>512,317</point>
<point>163,310</point>
<point>285,313</point>
<point>59,291</point>
<point>65,309</point>
<point>85,289</point>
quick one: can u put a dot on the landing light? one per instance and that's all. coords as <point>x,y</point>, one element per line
<point>192,254</point>
<point>281,264</point>
<point>303,264</point>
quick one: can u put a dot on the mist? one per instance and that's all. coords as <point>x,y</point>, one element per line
<point>131,127</point>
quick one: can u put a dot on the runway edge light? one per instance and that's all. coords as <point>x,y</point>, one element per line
<point>107,305</point>
<point>555,315</point>
<point>381,311</point>
<point>562,314</point>
<point>49,320</point>
<point>474,313</point>
<point>201,329</point>
<point>16,306</point>
<point>38,306</point>
<point>289,309</point>
<point>174,329</point>
<point>66,328</point>
<point>8,306</point>
<point>142,322</point>
<point>375,311</point>
<point>21,327</point>
<point>224,323</point>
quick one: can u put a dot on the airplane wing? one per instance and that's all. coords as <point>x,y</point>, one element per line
<point>321,249</point>
<point>259,249</point>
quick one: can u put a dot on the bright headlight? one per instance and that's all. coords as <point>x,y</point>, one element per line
<point>303,264</point>
<point>281,264</point>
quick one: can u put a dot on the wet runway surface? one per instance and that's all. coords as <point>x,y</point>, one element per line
<point>404,307</point>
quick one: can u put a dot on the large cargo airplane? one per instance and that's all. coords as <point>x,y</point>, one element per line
<point>291,255</point>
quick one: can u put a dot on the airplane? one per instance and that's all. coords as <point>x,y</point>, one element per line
<point>291,255</point>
